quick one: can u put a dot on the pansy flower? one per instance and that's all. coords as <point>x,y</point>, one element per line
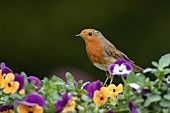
<point>121,67</point>
<point>66,104</point>
<point>115,90</point>
<point>92,87</point>
<point>4,71</point>
<point>6,109</point>
<point>100,96</point>
<point>20,78</point>
<point>7,81</point>
<point>132,108</point>
<point>8,84</point>
<point>136,88</point>
<point>36,80</point>
<point>167,79</point>
<point>33,103</point>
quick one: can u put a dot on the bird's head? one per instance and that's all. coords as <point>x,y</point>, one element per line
<point>90,35</point>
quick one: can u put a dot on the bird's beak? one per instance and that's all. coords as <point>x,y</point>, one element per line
<point>79,35</point>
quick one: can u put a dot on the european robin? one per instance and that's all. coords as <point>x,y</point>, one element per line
<point>102,53</point>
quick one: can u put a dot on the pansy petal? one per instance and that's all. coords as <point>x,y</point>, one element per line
<point>35,98</point>
<point>69,107</point>
<point>84,86</point>
<point>35,79</point>
<point>25,103</point>
<point>21,108</point>
<point>20,79</point>
<point>37,109</point>
<point>62,103</point>
<point>15,87</point>
<point>120,88</point>
<point>132,107</point>
<point>5,70</point>
<point>6,107</point>
<point>96,85</point>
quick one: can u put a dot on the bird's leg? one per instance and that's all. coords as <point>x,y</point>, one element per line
<point>108,76</point>
<point>106,81</point>
<point>111,79</point>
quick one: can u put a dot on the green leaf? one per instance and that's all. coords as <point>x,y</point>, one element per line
<point>164,61</point>
<point>165,110</point>
<point>80,108</point>
<point>57,81</point>
<point>86,98</point>
<point>155,64</point>
<point>164,103</point>
<point>79,84</point>
<point>167,96</point>
<point>147,70</point>
<point>152,99</point>
<point>70,79</point>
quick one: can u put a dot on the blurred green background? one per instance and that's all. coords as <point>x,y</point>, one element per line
<point>38,37</point>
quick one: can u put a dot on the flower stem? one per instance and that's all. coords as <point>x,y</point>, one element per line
<point>123,79</point>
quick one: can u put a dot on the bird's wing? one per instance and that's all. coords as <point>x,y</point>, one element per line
<point>111,50</point>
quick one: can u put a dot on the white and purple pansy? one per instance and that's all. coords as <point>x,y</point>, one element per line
<point>121,67</point>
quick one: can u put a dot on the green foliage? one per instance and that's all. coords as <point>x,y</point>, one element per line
<point>151,96</point>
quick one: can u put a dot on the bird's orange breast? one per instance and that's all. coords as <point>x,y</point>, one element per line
<point>95,51</point>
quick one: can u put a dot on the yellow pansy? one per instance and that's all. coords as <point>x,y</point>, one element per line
<point>8,84</point>
<point>100,97</point>
<point>0,77</point>
<point>29,109</point>
<point>114,91</point>
<point>70,105</point>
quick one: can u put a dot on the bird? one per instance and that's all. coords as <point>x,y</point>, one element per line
<point>102,52</point>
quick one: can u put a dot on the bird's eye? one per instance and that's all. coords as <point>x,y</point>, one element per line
<point>90,33</point>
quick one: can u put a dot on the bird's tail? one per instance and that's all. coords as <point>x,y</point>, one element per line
<point>137,68</point>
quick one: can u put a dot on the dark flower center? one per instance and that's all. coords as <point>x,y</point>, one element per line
<point>30,110</point>
<point>120,70</point>
<point>101,98</point>
<point>9,85</point>
<point>114,90</point>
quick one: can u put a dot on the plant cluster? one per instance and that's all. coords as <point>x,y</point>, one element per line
<point>20,93</point>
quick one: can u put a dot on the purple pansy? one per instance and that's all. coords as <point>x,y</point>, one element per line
<point>62,103</point>
<point>109,111</point>
<point>6,108</point>
<point>84,86</point>
<point>121,67</point>
<point>92,87</point>
<point>33,99</point>
<point>132,108</point>
<point>5,70</point>
<point>20,79</point>
<point>36,80</point>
